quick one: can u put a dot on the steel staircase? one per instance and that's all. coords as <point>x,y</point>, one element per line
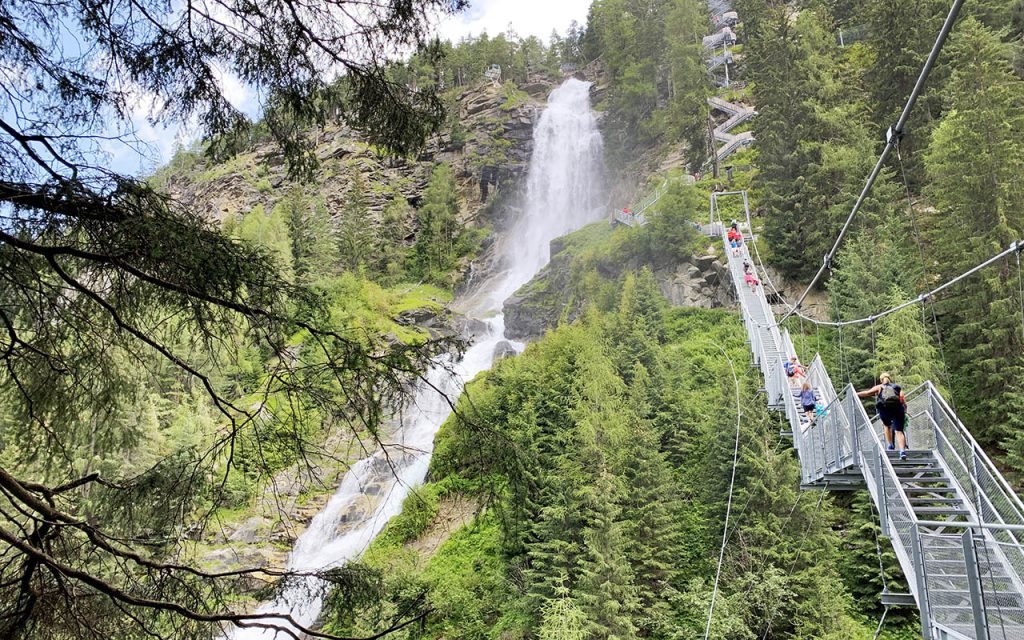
<point>954,522</point>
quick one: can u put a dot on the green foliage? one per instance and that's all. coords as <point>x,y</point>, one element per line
<point>354,232</point>
<point>655,60</point>
<point>670,230</point>
<point>980,191</point>
<point>601,452</point>
<point>271,232</point>
<point>435,251</point>
<point>314,240</point>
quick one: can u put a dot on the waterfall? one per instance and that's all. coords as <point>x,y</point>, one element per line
<point>563,193</point>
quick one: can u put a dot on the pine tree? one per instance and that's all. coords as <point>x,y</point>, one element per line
<point>901,36</point>
<point>605,589</point>
<point>562,619</point>
<point>354,226</point>
<point>974,162</point>
<point>685,24</point>
<point>391,250</point>
<point>904,346</point>
<point>437,221</point>
<point>314,240</point>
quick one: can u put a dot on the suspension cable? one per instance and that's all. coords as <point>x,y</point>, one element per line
<point>892,137</point>
<point>1020,285</point>
<point>1015,246</point>
<point>732,483</point>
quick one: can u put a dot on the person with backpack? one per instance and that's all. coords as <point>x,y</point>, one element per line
<point>892,411</point>
<point>794,370</point>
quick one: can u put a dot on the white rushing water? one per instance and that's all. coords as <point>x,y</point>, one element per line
<point>563,193</point>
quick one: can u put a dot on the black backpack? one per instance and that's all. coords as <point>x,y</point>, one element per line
<point>889,397</point>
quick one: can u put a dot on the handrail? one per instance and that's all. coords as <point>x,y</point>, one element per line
<point>945,569</point>
<point>1004,486</point>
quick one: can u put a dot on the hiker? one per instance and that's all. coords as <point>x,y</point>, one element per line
<point>892,411</point>
<point>747,267</point>
<point>808,402</point>
<point>751,281</point>
<point>794,371</point>
<point>735,239</point>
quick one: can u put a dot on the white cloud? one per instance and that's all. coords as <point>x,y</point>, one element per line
<point>527,17</point>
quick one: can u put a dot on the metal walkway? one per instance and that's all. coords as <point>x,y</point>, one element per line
<point>955,523</point>
<point>737,114</point>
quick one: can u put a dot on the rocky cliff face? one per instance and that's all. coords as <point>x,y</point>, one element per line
<point>553,295</point>
<point>494,141</point>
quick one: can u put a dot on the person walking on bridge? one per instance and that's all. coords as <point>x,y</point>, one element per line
<point>892,411</point>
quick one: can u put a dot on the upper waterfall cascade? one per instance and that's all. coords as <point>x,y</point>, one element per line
<point>563,193</point>
<point>955,523</point>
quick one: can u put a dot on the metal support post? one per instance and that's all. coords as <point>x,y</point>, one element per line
<point>974,586</point>
<point>883,508</point>
<point>825,422</point>
<point>917,557</point>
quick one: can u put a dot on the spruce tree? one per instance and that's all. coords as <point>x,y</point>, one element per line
<point>904,346</point>
<point>974,163</point>
<point>901,35</point>
<point>391,250</point>
<point>436,224</point>
<point>314,238</point>
<point>354,226</point>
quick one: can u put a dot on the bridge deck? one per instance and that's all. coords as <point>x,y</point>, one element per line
<point>955,523</point>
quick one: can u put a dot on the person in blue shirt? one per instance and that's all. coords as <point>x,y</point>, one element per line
<point>808,402</point>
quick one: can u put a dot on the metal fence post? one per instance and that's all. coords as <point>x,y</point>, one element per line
<point>974,586</point>
<point>917,555</point>
<point>883,508</point>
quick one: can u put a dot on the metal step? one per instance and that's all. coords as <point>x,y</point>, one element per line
<point>909,490</point>
<point>893,599</point>
<point>905,470</point>
<point>896,462</point>
<point>941,511</point>
<point>929,479</point>
<point>914,501</point>
<point>911,453</point>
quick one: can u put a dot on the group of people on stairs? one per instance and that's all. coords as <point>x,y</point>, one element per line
<point>889,400</point>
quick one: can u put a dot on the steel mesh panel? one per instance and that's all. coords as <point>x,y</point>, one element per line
<point>949,597</point>
<point>1001,592</point>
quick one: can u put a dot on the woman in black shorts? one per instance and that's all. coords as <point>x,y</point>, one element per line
<point>892,411</point>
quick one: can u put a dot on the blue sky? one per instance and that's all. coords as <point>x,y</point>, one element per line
<point>153,146</point>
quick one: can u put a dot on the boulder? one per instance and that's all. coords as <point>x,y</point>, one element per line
<point>252,530</point>
<point>504,349</point>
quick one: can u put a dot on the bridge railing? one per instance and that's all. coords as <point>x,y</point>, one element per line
<point>989,496</point>
<point>965,575</point>
<point>896,514</point>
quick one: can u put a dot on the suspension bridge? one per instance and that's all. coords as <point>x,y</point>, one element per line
<point>955,523</point>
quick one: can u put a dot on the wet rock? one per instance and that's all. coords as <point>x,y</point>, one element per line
<point>504,349</point>
<point>537,89</point>
<point>252,530</point>
<point>473,327</point>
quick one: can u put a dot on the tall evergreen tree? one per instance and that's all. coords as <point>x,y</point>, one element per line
<point>313,236</point>
<point>901,35</point>
<point>436,233</point>
<point>974,164</point>
<point>354,236</point>
<point>904,346</point>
